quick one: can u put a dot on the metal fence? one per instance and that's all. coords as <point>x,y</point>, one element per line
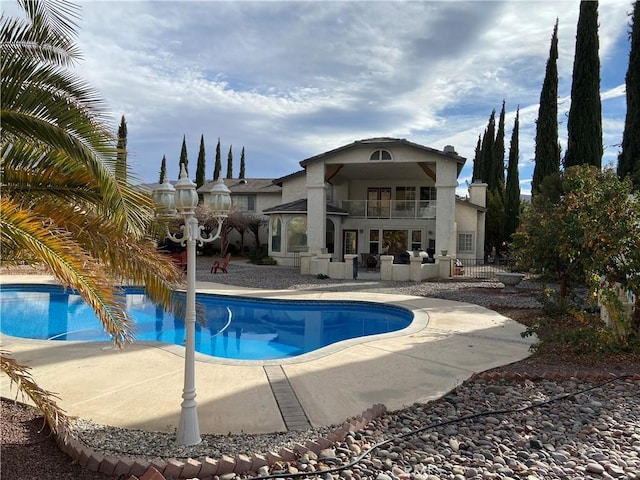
<point>480,268</point>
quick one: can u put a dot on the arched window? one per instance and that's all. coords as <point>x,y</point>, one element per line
<point>379,155</point>
<point>330,240</point>
<point>297,234</point>
<point>276,234</point>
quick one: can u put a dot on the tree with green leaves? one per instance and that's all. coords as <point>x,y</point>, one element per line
<point>584,125</point>
<point>230,163</point>
<point>629,158</point>
<point>242,164</point>
<point>217,169</point>
<point>488,150</point>
<point>183,156</point>
<point>201,169</point>
<point>121,164</point>
<point>512,189</point>
<point>62,205</point>
<point>547,148</point>
<point>477,160</point>
<point>163,169</point>
<point>585,227</point>
<point>494,222</point>
<point>497,165</point>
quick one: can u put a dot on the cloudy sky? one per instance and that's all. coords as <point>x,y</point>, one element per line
<point>289,80</point>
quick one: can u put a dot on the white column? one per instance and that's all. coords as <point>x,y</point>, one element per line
<point>316,208</point>
<point>446,184</point>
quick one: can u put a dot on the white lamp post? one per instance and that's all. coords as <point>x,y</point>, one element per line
<point>183,200</point>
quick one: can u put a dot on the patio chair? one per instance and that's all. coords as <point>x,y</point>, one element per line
<point>221,264</point>
<point>180,259</point>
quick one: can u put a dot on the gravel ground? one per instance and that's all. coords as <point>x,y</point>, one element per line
<point>587,430</point>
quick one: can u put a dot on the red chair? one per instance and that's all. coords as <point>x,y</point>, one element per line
<point>221,265</point>
<point>180,259</point>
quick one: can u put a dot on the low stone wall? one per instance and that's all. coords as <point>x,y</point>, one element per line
<point>415,271</point>
<point>208,468</point>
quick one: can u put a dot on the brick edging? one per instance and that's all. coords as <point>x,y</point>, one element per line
<point>208,467</point>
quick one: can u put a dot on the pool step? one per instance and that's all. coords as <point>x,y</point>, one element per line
<point>290,408</point>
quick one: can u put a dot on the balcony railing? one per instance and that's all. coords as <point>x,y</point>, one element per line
<point>390,208</point>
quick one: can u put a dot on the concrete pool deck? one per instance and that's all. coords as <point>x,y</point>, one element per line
<point>141,385</point>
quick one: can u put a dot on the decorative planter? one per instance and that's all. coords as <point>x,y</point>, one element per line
<point>510,280</point>
<point>444,253</point>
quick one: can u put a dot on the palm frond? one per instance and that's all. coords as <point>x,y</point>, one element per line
<point>19,37</point>
<point>45,401</point>
<point>60,16</point>
<point>57,249</point>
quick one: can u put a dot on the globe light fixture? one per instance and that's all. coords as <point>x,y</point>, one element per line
<point>183,200</point>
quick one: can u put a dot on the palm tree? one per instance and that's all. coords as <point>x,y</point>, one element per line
<point>62,205</point>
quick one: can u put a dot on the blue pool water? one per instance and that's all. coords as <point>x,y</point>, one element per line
<point>236,327</point>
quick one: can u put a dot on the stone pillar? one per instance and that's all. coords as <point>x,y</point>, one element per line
<point>316,207</point>
<point>305,263</point>
<point>323,263</point>
<point>446,184</point>
<point>444,266</point>
<point>416,269</point>
<point>348,265</point>
<point>386,267</point>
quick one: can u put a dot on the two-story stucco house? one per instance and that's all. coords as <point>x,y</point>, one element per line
<point>381,197</point>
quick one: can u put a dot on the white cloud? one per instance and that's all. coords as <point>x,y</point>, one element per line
<point>288,80</point>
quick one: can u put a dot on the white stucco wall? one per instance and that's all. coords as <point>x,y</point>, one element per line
<point>294,189</point>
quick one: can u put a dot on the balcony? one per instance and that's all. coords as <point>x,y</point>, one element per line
<point>424,209</point>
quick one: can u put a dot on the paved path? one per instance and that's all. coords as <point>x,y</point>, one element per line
<point>141,386</point>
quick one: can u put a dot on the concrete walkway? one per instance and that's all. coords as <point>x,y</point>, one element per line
<point>141,386</point>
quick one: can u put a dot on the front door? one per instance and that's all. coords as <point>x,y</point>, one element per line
<point>350,242</point>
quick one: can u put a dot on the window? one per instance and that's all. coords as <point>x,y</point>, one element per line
<point>406,193</point>
<point>405,202</point>
<point>396,240</point>
<point>276,235</point>
<point>465,243</point>
<point>416,239</point>
<point>330,235</point>
<point>428,193</point>
<point>379,155</point>
<point>379,202</point>
<point>244,203</point>
<point>297,234</point>
<point>374,241</point>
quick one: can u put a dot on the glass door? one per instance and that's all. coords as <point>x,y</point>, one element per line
<point>350,242</point>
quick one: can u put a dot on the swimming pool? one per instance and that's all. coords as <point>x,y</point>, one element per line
<point>242,328</point>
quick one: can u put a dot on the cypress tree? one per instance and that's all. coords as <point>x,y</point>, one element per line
<point>218,165</point>
<point>477,162</point>
<point>629,158</point>
<point>200,171</point>
<point>242,165</point>
<point>121,160</point>
<point>183,155</point>
<point>487,153</point>
<point>230,163</point>
<point>497,164</point>
<point>547,150</point>
<point>584,126</point>
<point>512,191</point>
<point>163,170</point>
